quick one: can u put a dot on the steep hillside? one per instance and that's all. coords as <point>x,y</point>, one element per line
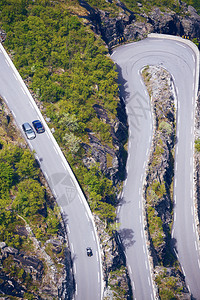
<point>122,21</point>
<point>34,258</point>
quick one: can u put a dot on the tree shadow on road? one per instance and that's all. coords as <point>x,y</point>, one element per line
<point>123,84</point>
<point>127,237</point>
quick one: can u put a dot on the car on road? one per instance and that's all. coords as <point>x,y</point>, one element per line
<point>30,133</point>
<point>89,251</point>
<point>38,126</point>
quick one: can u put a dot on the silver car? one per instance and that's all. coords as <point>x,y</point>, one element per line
<point>30,133</point>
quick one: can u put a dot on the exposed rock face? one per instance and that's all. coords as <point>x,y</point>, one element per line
<point>115,169</point>
<point>127,26</point>
<point>160,167</point>
<point>114,262</point>
<point>19,270</point>
<point>159,179</point>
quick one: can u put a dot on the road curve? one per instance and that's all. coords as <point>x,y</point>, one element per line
<point>76,213</point>
<point>181,61</point>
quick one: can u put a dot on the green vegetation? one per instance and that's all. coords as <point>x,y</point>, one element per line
<point>146,5</point>
<point>22,194</point>
<point>66,66</point>
<point>197,145</point>
<point>159,191</point>
<point>168,286</point>
<point>195,4</point>
<point>155,227</point>
<point>119,288</point>
<point>133,5</point>
<point>23,201</point>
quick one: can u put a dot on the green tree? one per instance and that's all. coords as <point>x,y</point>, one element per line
<point>30,197</point>
<point>6,177</point>
<point>26,167</point>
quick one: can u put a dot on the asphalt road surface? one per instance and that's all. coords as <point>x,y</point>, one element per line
<point>80,228</point>
<point>180,60</point>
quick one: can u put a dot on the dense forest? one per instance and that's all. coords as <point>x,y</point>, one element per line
<point>66,66</point>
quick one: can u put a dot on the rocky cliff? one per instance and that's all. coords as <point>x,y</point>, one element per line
<point>158,188</point>
<point>129,26</point>
<point>33,267</point>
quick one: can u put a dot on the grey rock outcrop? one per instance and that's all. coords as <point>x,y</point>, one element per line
<point>129,25</point>
<point>96,152</point>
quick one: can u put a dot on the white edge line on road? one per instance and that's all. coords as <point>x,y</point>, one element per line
<point>14,114</point>
<point>64,165</point>
<point>93,236</point>
<point>48,135</point>
<point>189,289</point>
<point>146,264</point>
<point>76,289</point>
<point>180,45</point>
<point>31,147</point>
<point>23,90</point>
<point>31,104</point>
<point>5,99</point>
<point>62,157</point>
<point>7,62</point>
<point>130,271</point>
<point>72,248</point>
<point>133,284</point>
<point>68,228</point>
<point>149,281</point>
<point>74,268</point>
<point>191,210</point>
<point>199,263</point>
<point>118,209</point>
<point>80,198</point>
<point>71,181</point>
<point>86,215</point>
<point>98,278</point>
<point>97,257</point>
<point>55,150</point>
<point>45,174</point>
<point>15,76</point>
<point>195,245</point>
<point>54,192</point>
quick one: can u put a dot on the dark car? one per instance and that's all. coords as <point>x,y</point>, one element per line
<point>38,126</point>
<point>89,251</point>
<point>30,133</point>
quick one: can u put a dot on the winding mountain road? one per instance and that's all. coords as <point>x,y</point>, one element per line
<point>182,61</point>
<point>76,213</point>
